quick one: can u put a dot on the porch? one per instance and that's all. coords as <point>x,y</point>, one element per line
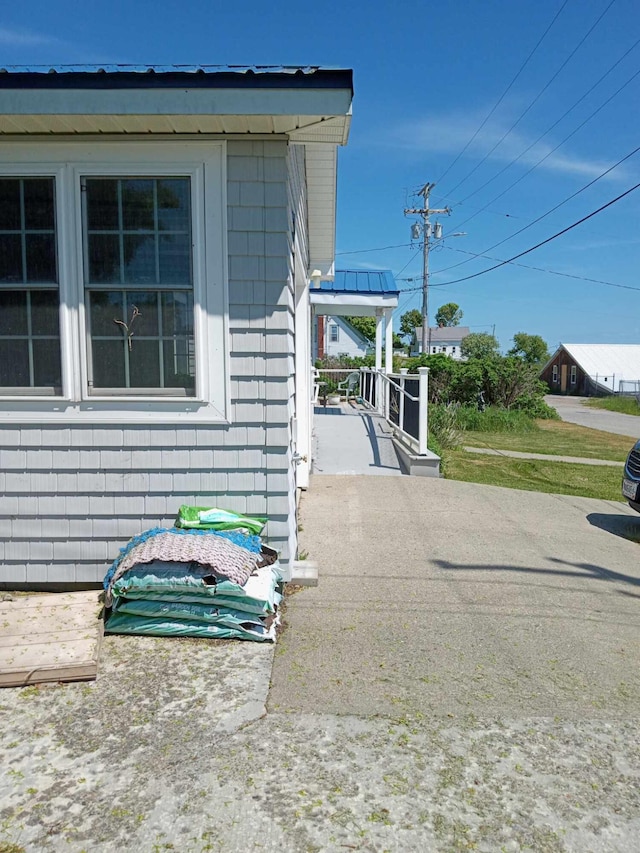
<point>379,427</point>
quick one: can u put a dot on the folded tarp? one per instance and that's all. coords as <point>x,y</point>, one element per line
<point>212,518</point>
<point>228,555</point>
<point>193,612</point>
<point>124,623</point>
<point>192,583</point>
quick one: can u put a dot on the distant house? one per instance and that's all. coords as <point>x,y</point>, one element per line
<point>444,339</point>
<point>592,370</point>
<point>336,336</point>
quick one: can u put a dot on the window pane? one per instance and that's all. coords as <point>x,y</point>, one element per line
<point>175,259</point>
<point>108,364</point>
<point>104,259</point>
<point>139,259</point>
<point>14,364</point>
<point>177,313</point>
<point>173,204</point>
<point>145,307</point>
<point>144,364</point>
<point>102,205</point>
<point>137,205</point>
<point>11,258</point>
<point>41,258</point>
<point>179,364</point>
<point>13,312</point>
<point>106,306</point>
<point>38,203</point>
<point>44,313</point>
<point>47,371</point>
<point>10,204</point>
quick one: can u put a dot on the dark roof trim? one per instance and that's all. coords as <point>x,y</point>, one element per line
<point>173,76</point>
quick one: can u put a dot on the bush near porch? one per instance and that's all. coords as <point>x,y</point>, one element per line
<point>507,382</point>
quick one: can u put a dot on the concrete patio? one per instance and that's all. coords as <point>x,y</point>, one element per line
<point>350,439</point>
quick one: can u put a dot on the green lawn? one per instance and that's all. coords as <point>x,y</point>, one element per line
<point>556,438</point>
<point>626,405</point>
<point>533,475</point>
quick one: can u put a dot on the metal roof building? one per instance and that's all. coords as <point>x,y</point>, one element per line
<point>606,366</point>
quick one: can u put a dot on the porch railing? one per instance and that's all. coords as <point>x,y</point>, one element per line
<point>326,381</point>
<point>402,399</point>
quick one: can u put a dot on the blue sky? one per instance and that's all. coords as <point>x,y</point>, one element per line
<point>426,77</point>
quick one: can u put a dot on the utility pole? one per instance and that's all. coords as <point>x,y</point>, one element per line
<point>425,212</point>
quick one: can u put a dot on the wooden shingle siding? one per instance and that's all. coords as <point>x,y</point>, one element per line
<point>70,497</point>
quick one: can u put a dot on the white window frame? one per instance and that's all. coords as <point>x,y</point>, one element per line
<point>67,162</point>
<point>574,374</point>
<point>554,373</point>
<point>334,329</point>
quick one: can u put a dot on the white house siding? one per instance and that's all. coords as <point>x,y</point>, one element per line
<point>70,496</point>
<point>347,343</point>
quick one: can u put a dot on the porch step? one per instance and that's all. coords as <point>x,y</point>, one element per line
<point>417,466</point>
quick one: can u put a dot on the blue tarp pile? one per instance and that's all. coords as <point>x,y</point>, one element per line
<point>210,576</point>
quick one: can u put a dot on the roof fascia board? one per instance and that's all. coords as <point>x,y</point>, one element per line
<point>346,304</point>
<point>322,103</point>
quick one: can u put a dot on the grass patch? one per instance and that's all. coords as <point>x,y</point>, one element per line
<point>494,419</point>
<point>625,405</point>
<point>534,475</point>
<point>556,438</point>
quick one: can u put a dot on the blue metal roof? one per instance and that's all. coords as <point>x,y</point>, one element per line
<point>362,281</point>
<point>214,76</point>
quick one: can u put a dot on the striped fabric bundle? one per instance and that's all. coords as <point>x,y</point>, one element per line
<point>157,587</point>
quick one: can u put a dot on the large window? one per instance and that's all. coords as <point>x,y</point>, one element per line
<point>113,276</point>
<point>29,297</point>
<point>139,284</point>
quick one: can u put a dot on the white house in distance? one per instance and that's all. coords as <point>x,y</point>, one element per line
<point>335,336</point>
<point>159,227</point>
<point>444,339</point>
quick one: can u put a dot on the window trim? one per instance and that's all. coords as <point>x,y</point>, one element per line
<point>333,327</point>
<point>195,173</point>
<point>573,375</point>
<point>66,161</point>
<point>554,373</point>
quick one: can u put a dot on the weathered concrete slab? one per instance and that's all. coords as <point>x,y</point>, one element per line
<point>49,638</point>
<point>440,597</point>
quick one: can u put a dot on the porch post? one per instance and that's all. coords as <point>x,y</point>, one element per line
<point>379,320</point>
<point>423,395</point>
<point>388,343</point>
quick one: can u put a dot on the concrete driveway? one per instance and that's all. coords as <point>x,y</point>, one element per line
<point>465,677</point>
<point>572,409</point>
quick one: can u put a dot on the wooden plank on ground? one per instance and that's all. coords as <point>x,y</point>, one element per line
<point>49,638</point>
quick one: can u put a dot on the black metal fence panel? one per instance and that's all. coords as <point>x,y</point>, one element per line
<point>412,408</point>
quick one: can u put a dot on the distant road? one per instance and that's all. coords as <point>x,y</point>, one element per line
<point>571,409</point>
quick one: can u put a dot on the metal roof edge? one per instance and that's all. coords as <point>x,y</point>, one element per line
<point>174,76</point>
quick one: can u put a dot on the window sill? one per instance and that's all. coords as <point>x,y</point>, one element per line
<point>46,411</point>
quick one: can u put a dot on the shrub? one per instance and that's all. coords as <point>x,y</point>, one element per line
<point>444,426</point>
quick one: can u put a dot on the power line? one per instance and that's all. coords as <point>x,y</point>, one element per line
<point>536,99</point>
<point>379,249</point>
<point>542,269</point>
<point>505,93</point>
<point>551,210</point>
<point>557,122</point>
<point>542,242</point>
